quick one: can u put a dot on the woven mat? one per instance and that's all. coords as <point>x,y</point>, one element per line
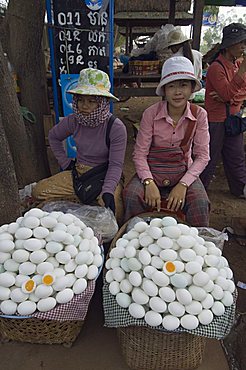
<point>76,309</point>
<point>116,316</point>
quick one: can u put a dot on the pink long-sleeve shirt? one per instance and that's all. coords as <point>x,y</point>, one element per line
<point>229,85</point>
<point>156,128</point>
<point>91,147</point>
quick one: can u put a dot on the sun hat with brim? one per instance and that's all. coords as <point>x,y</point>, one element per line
<point>176,37</point>
<point>233,34</point>
<point>93,82</point>
<point>177,68</point>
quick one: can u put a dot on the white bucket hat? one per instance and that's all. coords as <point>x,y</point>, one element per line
<point>177,68</point>
<point>176,37</point>
<point>93,82</point>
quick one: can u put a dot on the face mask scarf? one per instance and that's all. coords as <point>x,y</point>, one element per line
<point>95,118</point>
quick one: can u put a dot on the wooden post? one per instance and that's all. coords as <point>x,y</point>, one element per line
<point>197,23</point>
<point>171,17</point>
<point>127,38</point>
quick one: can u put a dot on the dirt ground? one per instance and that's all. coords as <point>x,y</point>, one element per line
<point>226,210</point>
<point>97,347</point>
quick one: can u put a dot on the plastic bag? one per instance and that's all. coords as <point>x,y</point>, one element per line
<point>100,219</point>
<point>212,235</point>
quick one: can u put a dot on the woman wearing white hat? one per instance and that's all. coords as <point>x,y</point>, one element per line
<point>180,46</point>
<point>88,125</point>
<point>172,149</point>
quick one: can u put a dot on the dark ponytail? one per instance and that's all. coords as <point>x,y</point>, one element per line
<point>187,52</point>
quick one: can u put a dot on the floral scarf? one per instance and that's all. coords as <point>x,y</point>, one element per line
<point>95,118</point>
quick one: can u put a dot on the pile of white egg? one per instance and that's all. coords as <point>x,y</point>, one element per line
<point>166,274</point>
<point>45,258</point>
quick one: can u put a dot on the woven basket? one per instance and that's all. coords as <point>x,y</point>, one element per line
<point>150,349</point>
<point>147,349</point>
<point>144,68</point>
<point>40,331</point>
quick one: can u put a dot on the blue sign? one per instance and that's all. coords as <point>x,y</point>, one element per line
<point>209,19</point>
<point>93,4</point>
<point>68,82</point>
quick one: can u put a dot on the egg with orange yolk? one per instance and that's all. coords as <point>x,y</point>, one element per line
<point>169,268</point>
<point>28,286</point>
<point>48,278</point>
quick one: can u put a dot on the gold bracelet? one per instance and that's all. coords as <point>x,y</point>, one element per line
<point>147,181</point>
<point>184,184</point>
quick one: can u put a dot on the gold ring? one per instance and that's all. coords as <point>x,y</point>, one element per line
<point>180,201</point>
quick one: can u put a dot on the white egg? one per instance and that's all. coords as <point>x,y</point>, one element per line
<point>184,296</point>
<point>20,256</point>
<point>222,282</point>
<point>19,220</point>
<point>13,227</point>
<point>164,242</point>
<point>135,278</point>
<point>148,271</point>
<point>186,241</point>
<point>123,300</point>
<point>205,317</point>
<point>109,276</point>
<point>48,222</point>
<point>54,247</point>
<point>194,231</point>
<point>132,234</point>
<point>192,267</point>
<point>146,241</point>
<point>127,252</point>
<point>134,264</point>
<point>141,226</point>
<point>136,310</point>
<point>214,251</point>
<point>60,226</point>
<point>11,265</point>
<point>200,260</point>
<point>38,256</point>
<point>157,262</point>
<point>179,280</point>
<point>40,232</point>
<point>208,301</point>
<point>18,296</point>
<point>201,278</point>
<point>194,308</point>
<point>176,309</point>
<point>217,292</point>
<point>81,271</point>
<point>72,250</point>
<point>60,283</point>
<point>43,291</point>
<point>79,286</point>
<point>81,258</point>
<point>92,272</point>
<point>46,304</point>
<point>71,278</point>
<point>169,221</point>
<point>1,268</point>
<point>211,260</point>
<point>154,249</point>
<point>108,263</point>
<point>126,286</point>
<point>160,278</point>
<point>157,222</point>
<point>64,257</point>
<point>77,240</point>
<point>70,266</point>
<point>200,250</point>
<point>118,274</point>
<point>26,308</point>
<point>32,244</point>
<point>200,240</point>
<point>153,318</point>
<point>53,261</point>
<point>170,322</point>
<point>19,279</point>
<point>73,230</point>
<point>167,294</point>
<point>27,268</point>
<point>97,260</point>
<point>69,239</point>
<point>36,212</point>
<point>4,293</point>
<point>187,255</point>
<point>23,233</point>
<point>65,219</point>
<point>121,243</point>
<point>227,299</point>
<point>33,298</point>
<point>218,308</point>
<point>3,228</point>
<point>88,233</point>
<point>168,255</point>
<point>231,286</point>
<point>4,256</point>
<point>198,293</point>
<point>172,232</point>
<point>37,279</point>
<point>8,307</point>
<point>212,272</point>
<point>157,304</point>
<point>114,287</point>
<point>179,265</point>
<point>48,278</point>
<point>19,244</point>
<point>154,232</point>
<point>169,268</point>
<point>44,267</point>
<point>6,245</point>
<point>189,322</point>
<point>59,272</point>
<point>31,222</point>
<point>28,286</point>
<point>150,288</point>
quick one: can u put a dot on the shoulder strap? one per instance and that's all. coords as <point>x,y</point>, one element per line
<point>190,129</point>
<point>109,125</point>
<point>226,104</point>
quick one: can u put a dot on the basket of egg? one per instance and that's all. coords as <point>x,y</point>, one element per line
<point>159,274</point>
<point>49,263</point>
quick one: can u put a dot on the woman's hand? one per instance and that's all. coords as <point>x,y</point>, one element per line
<point>176,198</point>
<point>152,196</point>
<point>216,96</point>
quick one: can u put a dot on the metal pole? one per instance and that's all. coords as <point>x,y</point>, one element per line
<point>111,47</point>
<point>52,60</point>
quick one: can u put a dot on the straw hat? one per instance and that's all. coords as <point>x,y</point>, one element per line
<point>93,82</point>
<point>233,34</point>
<point>176,37</point>
<point>177,68</point>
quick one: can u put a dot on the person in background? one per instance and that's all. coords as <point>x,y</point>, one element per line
<point>180,46</point>
<point>88,125</point>
<point>172,149</point>
<point>226,83</point>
